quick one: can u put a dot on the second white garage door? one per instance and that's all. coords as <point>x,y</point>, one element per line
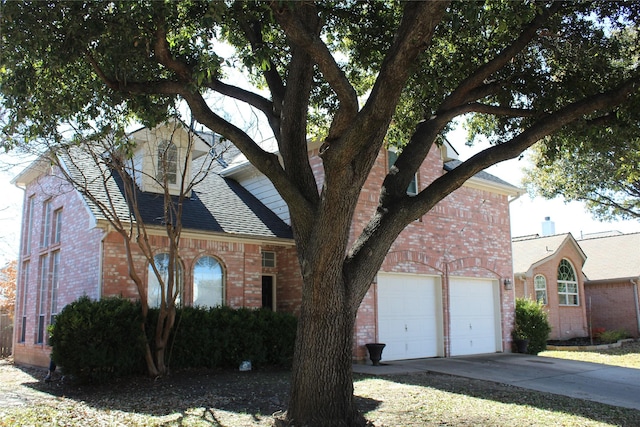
<point>409,316</point>
<point>475,316</point>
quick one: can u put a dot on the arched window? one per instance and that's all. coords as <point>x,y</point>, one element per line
<point>154,295</point>
<point>540,286</point>
<point>208,282</point>
<point>567,284</point>
<point>167,162</point>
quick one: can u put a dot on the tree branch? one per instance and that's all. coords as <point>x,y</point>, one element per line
<point>253,32</point>
<point>265,162</point>
<point>163,55</point>
<point>392,216</point>
<point>413,36</point>
<point>475,80</point>
<point>309,40</point>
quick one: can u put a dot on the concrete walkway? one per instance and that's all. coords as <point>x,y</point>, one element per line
<point>589,381</point>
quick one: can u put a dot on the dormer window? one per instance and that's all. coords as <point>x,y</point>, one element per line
<point>167,163</point>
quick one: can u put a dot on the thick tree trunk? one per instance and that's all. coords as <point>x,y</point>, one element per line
<point>322,380</point>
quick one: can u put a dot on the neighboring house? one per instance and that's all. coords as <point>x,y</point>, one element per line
<point>443,290</point>
<point>549,269</point>
<point>612,275</point>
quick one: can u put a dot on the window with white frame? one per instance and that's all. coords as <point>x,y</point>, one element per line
<point>154,286</point>
<point>57,226</point>
<point>268,259</point>
<point>43,282</point>
<point>540,286</point>
<point>167,162</point>
<point>567,284</point>
<point>208,282</point>
<point>27,234</point>
<point>55,278</point>
<point>23,299</point>
<point>412,189</point>
<point>45,238</point>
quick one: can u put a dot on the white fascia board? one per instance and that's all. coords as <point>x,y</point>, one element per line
<point>493,187</point>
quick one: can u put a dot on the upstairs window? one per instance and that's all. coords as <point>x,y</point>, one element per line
<point>412,189</point>
<point>567,284</point>
<point>540,286</point>
<point>268,259</point>
<point>167,163</point>
<point>45,238</point>
<point>57,226</point>
<point>29,229</point>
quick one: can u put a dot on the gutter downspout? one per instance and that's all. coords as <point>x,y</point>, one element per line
<point>635,294</point>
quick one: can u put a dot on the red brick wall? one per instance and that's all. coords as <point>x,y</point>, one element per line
<point>241,262</point>
<point>466,234</point>
<point>79,264</point>
<point>613,306</point>
<point>566,321</point>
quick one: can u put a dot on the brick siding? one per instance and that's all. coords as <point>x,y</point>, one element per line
<point>566,321</point>
<point>612,306</point>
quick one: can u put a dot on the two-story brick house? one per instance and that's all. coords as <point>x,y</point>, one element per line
<point>444,288</point>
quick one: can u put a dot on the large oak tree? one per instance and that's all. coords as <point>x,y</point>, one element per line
<point>357,74</point>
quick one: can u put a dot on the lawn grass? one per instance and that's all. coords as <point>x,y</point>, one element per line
<point>194,399</point>
<point>627,356</point>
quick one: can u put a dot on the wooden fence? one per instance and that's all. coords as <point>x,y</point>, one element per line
<point>6,335</point>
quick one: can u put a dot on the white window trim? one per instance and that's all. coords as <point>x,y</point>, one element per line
<point>541,289</point>
<point>566,293</point>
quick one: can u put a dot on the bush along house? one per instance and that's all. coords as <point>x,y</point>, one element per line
<point>443,290</point>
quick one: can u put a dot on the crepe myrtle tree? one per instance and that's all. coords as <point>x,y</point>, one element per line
<point>357,75</point>
<point>101,165</point>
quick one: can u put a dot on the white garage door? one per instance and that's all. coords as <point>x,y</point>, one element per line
<point>409,316</point>
<point>475,316</point>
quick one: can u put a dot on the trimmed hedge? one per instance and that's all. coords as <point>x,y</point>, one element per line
<point>532,323</point>
<point>99,340</point>
<point>224,337</point>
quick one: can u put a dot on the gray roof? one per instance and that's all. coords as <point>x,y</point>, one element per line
<point>217,204</point>
<point>529,252</point>
<point>612,257</point>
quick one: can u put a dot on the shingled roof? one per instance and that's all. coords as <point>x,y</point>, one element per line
<point>612,257</point>
<point>216,204</point>
<point>529,252</point>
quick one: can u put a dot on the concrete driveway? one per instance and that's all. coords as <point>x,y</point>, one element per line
<point>589,381</point>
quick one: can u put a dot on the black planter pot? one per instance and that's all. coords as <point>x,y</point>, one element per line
<point>375,352</point>
<point>521,345</point>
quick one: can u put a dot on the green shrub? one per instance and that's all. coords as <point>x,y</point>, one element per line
<point>97,340</point>
<point>222,337</point>
<point>532,323</point>
<point>613,336</point>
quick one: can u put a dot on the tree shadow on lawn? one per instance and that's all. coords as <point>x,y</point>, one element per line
<point>509,394</point>
<point>257,392</point>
